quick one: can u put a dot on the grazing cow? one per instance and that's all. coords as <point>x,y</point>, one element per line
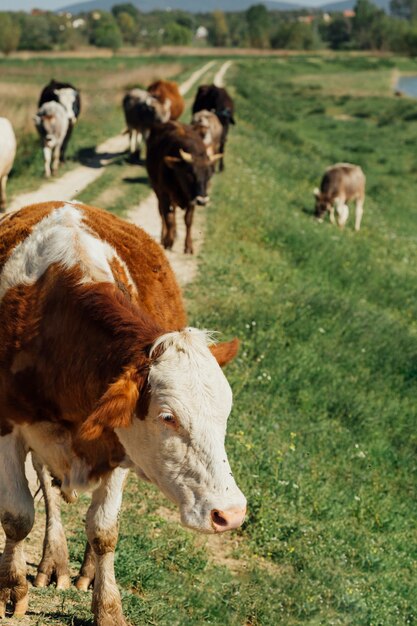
<point>179,170</point>
<point>217,100</point>
<point>67,95</point>
<point>7,155</point>
<point>208,126</point>
<point>142,111</point>
<point>52,125</point>
<point>340,184</point>
<point>98,374</point>
<point>168,94</point>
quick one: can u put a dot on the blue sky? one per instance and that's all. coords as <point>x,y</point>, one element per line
<point>27,5</point>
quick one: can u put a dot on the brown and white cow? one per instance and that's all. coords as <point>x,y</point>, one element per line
<point>98,374</point>
<point>179,170</point>
<point>219,101</point>
<point>168,94</point>
<point>340,184</point>
<point>208,126</point>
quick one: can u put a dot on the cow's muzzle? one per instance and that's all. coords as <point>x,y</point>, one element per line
<point>202,200</point>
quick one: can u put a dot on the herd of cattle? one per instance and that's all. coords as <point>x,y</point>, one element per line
<point>99,372</point>
<point>180,158</point>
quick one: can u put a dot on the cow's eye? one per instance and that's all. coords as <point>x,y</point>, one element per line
<point>168,419</point>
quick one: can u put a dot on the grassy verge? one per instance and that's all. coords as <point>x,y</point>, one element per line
<point>322,431</point>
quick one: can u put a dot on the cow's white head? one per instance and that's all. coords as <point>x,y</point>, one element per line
<point>179,446</point>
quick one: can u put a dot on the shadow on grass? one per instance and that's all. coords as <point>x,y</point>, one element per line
<point>308,211</point>
<point>63,617</point>
<point>136,180</point>
<point>90,158</point>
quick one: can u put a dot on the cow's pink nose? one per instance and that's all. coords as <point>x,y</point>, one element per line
<point>227,520</point>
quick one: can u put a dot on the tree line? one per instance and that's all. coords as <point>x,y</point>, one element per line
<point>370,28</point>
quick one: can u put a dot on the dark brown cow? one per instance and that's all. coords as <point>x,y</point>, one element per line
<point>217,100</point>
<point>179,170</point>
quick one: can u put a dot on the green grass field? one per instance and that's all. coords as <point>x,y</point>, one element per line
<point>322,436</point>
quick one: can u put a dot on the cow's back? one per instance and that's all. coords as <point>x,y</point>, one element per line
<point>157,289</point>
<point>214,99</point>
<point>164,90</point>
<point>345,178</point>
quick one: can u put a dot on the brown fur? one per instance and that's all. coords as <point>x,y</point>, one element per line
<point>78,354</point>
<point>164,90</point>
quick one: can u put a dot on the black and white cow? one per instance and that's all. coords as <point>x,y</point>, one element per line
<point>69,97</point>
<point>52,124</point>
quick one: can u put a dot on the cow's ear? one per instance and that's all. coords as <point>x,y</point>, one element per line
<point>226,351</point>
<point>232,120</point>
<point>316,193</point>
<point>115,408</point>
<point>171,161</point>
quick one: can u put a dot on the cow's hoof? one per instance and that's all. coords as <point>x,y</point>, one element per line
<point>21,606</point>
<point>83,583</point>
<point>62,582</point>
<point>54,563</point>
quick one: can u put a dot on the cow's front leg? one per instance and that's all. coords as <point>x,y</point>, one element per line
<point>54,560</point>
<point>342,211</point>
<point>358,213</point>
<point>55,160</point>
<point>3,197</point>
<point>188,218</point>
<point>17,514</point>
<point>87,570</point>
<point>47,156</point>
<point>169,229</point>
<point>102,531</point>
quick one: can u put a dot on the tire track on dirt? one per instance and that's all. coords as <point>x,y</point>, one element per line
<point>72,183</point>
<point>146,215</point>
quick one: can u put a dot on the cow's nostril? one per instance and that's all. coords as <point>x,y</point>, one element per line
<point>218,518</point>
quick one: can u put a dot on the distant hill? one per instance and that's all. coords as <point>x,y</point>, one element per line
<point>349,4</point>
<point>183,5</point>
<point>193,6</point>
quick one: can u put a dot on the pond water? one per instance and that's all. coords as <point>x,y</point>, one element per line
<point>408,85</point>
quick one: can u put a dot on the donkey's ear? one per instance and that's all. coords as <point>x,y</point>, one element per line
<point>226,351</point>
<point>115,408</point>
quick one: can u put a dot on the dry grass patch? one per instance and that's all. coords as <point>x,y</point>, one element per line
<point>140,76</point>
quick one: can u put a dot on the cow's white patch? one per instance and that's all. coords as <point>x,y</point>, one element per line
<point>67,97</point>
<point>188,462</point>
<point>60,237</point>
<point>52,445</point>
